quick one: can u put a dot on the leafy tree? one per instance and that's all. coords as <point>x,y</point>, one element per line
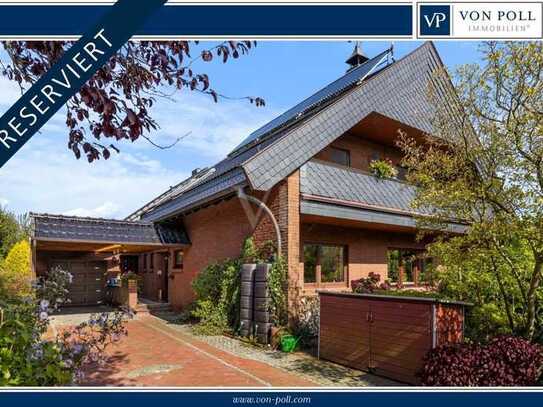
<point>484,166</point>
<point>115,104</point>
<point>12,229</point>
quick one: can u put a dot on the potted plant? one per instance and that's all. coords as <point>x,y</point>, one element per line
<point>383,168</point>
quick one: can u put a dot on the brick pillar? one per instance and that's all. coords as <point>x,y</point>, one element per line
<point>401,275</point>
<point>293,242</point>
<point>132,291</point>
<point>284,202</point>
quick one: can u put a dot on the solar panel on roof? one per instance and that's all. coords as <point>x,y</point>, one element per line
<point>339,85</point>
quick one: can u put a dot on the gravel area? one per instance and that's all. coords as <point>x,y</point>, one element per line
<point>319,371</point>
<point>77,315</point>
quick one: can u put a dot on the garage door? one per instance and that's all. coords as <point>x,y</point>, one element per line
<point>89,280</point>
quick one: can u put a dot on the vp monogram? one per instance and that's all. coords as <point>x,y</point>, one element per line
<point>435,20</point>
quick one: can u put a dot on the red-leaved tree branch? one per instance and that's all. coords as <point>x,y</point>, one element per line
<point>114,105</point>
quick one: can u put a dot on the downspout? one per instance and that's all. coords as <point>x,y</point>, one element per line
<point>262,205</point>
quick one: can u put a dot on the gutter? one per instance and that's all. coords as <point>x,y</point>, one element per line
<point>242,195</point>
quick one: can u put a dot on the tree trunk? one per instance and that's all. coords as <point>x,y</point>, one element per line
<point>535,282</point>
<point>504,296</point>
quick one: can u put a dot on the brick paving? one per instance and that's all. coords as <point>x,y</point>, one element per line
<point>155,354</point>
<point>159,352</point>
<point>303,365</point>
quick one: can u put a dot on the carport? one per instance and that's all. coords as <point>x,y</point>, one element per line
<point>95,249</point>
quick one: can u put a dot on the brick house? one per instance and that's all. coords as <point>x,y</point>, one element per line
<point>309,167</point>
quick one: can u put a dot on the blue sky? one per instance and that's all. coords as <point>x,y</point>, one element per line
<point>45,177</point>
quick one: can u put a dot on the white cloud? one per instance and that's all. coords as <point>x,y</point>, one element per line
<point>106,210</point>
<point>3,201</point>
<point>10,92</point>
<point>44,176</point>
<point>215,128</point>
<point>41,178</point>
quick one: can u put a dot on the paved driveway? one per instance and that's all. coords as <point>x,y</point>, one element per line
<point>155,354</point>
<point>159,353</point>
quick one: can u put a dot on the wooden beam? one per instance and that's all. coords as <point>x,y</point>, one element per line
<point>33,258</point>
<point>109,248</point>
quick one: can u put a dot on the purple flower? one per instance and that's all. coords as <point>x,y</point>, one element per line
<point>77,348</point>
<point>44,315</point>
<point>44,304</point>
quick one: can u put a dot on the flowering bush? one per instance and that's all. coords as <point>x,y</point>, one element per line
<point>503,361</point>
<point>383,168</point>
<point>369,284</point>
<point>29,356</point>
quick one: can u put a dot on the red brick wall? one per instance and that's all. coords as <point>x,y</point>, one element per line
<point>216,233</point>
<point>366,249</point>
<point>284,201</point>
<point>265,231</point>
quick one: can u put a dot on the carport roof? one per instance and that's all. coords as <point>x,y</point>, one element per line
<point>47,227</point>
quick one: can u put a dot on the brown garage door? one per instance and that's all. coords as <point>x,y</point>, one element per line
<point>89,279</point>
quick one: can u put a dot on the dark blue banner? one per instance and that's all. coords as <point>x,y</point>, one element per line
<point>218,20</point>
<point>65,78</point>
<point>259,398</point>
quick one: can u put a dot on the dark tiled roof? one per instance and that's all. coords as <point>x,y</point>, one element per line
<point>397,91</point>
<point>80,229</point>
<point>331,181</point>
<point>331,190</point>
<point>214,188</point>
<point>331,90</point>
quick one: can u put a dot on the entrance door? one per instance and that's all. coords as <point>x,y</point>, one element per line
<point>166,278</point>
<point>89,280</point>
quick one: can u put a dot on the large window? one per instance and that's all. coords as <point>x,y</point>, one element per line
<point>416,266</point>
<point>426,270</point>
<point>324,263</point>
<point>340,156</point>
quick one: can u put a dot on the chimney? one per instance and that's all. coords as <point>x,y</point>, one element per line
<point>357,58</point>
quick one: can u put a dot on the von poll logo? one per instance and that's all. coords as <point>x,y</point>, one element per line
<point>435,20</point>
<point>471,20</point>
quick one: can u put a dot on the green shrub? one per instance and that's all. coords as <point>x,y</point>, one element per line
<point>249,252</point>
<point>217,290</point>
<point>15,272</point>
<point>277,283</point>
<point>411,293</point>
